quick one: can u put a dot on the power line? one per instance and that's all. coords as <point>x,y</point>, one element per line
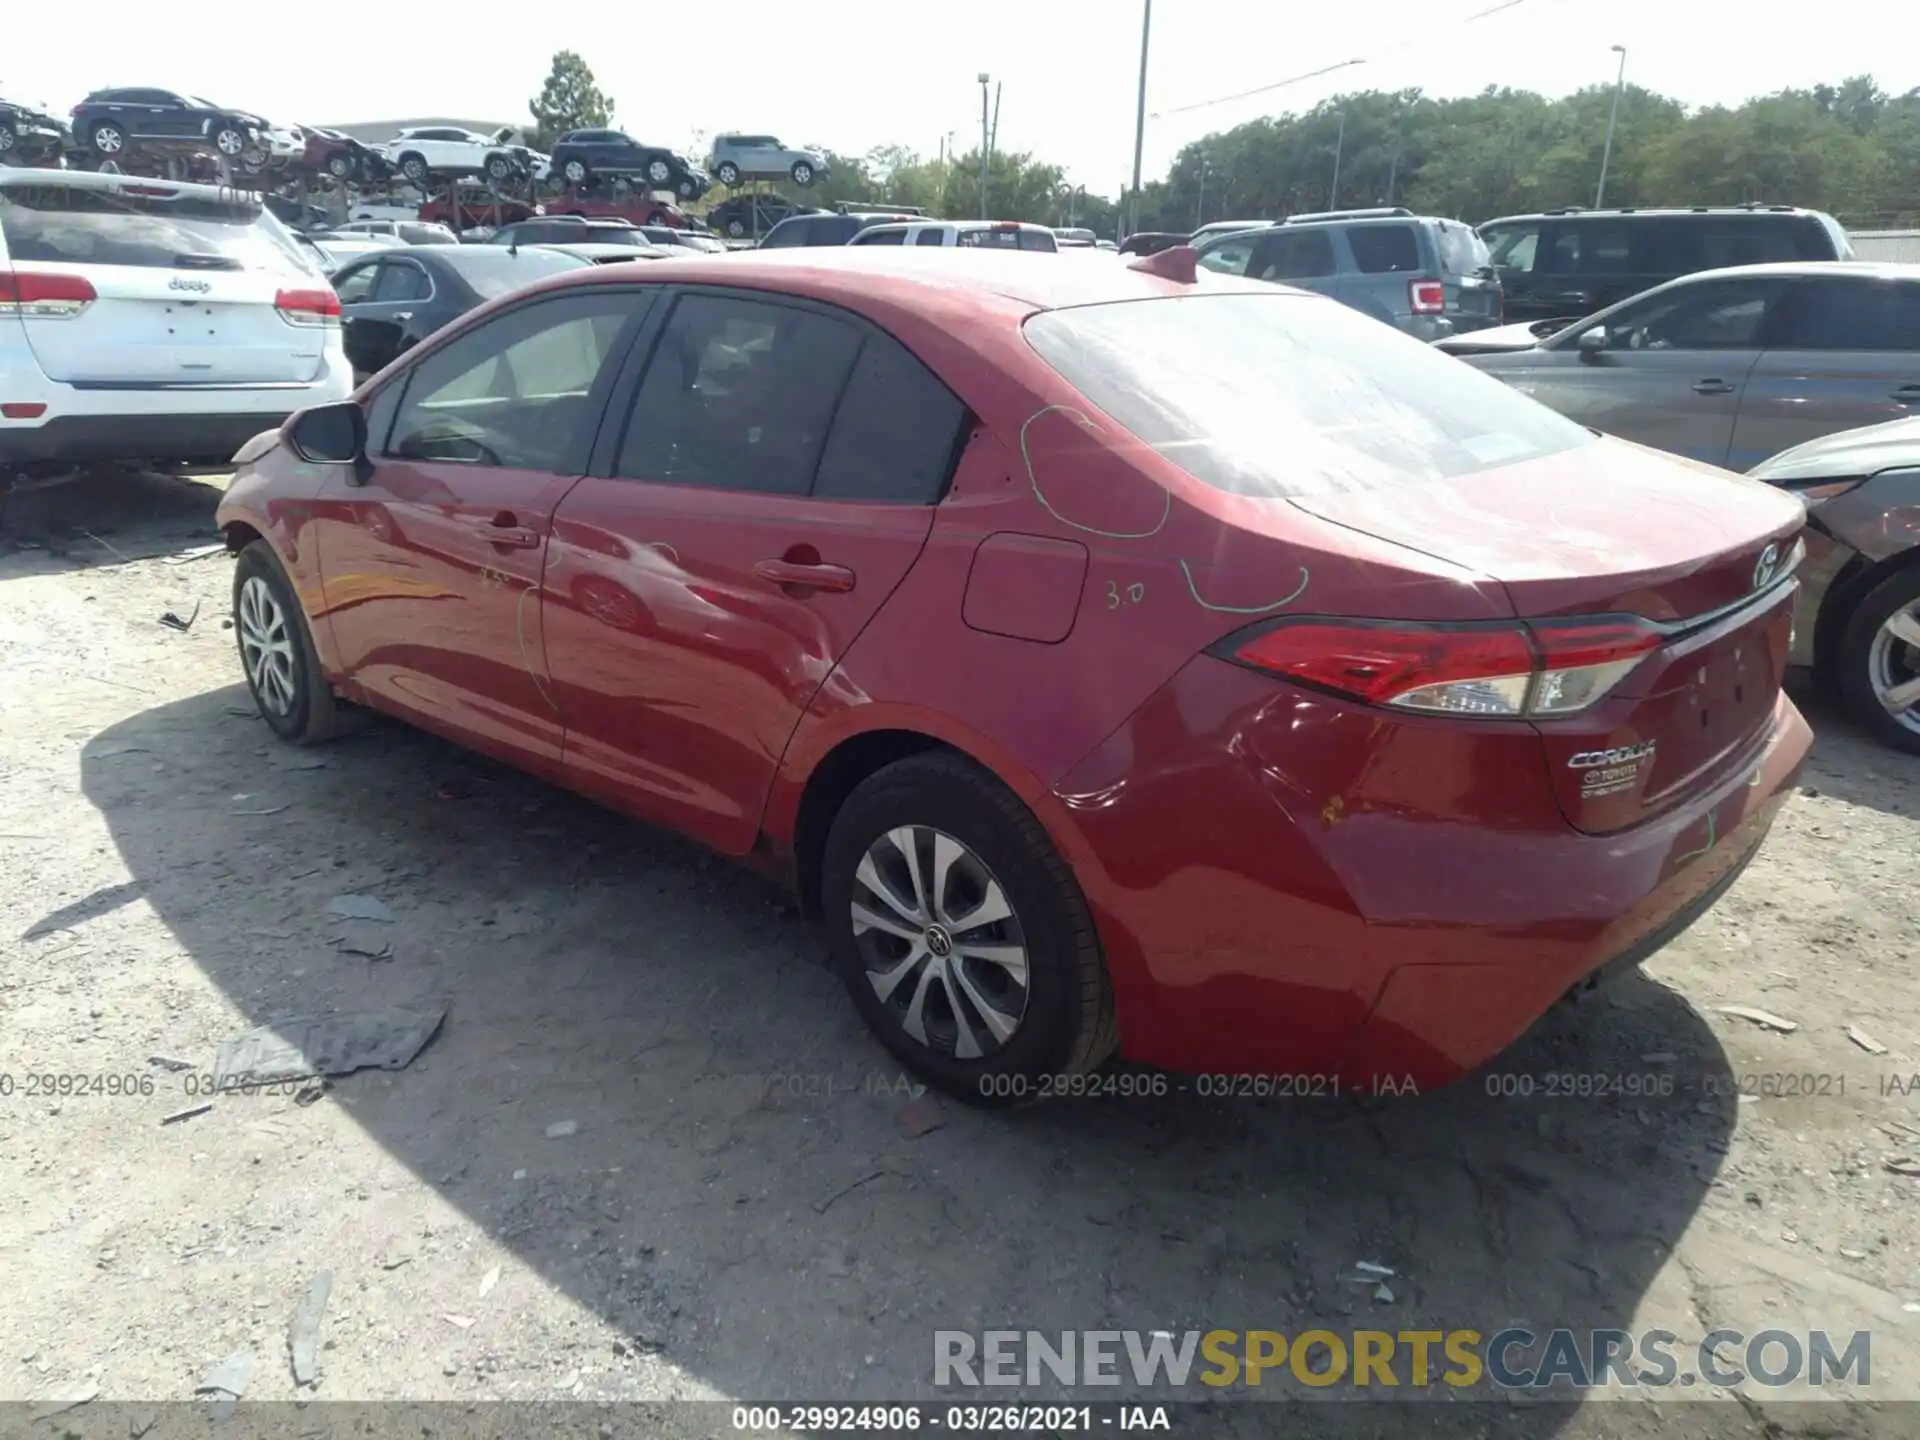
<point>1329,69</point>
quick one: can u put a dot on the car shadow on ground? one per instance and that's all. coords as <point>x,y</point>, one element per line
<point>1849,763</point>
<point>749,1189</point>
<point>107,515</point>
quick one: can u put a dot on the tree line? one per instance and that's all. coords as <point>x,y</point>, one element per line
<point>1851,149</point>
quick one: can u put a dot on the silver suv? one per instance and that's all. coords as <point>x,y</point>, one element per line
<point>762,157</point>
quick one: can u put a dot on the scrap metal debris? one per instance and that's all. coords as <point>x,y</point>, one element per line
<point>488,1281</point>
<point>464,1322</point>
<point>228,1379</point>
<point>199,552</point>
<point>187,1114</point>
<point>167,1062</point>
<point>382,951</point>
<point>820,1207</point>
<point>174,622</point>
<point>1865,1041</point>
<point>1765,1019</point>
<point>303,1332</point>
<point>1904,1165</point>
<point>359,907</point>
<point>304,1045</point>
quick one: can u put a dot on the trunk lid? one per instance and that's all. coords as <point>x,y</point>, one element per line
<point>184,281</point>
<point>1615,529</point>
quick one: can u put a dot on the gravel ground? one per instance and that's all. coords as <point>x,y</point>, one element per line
<point>652,1153</point>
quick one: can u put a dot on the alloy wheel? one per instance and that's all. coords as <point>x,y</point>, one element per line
<point>230,142</point>
<point>6,140</point>
<point>108,141</point>
<point>940,942</point>
<point>1893,666</point>
<point>266,646</point>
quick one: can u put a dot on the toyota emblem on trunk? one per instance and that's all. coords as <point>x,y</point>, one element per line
<point>1764,567</point>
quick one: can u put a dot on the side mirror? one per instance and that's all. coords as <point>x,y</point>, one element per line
<point>1593,342</point>
<point>331,435</point>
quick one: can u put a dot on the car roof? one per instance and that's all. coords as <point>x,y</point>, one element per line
<point>926,280</point>
<point>1802,269</point>
<point>1652,212</point>
<point>594,250</point>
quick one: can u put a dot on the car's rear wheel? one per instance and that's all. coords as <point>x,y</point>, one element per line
<point>659,173</point>
<point>574,172</point>
<point>498,167</point>
<point>961,934</point>
<point>1879,669</point>
<point>340,166</point>
<point>727,174</point>
<point>7,140</point>
<point>276,652</point>
<point>106,139</point>
<point>802,173</point>
<point>229,141</point>
<point>736,227</point>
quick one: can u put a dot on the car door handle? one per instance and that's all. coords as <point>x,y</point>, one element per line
<point>506,532</point>
<point>836,578</point>
<point>1712,387</point>
<point>1908,394</point>
<point>403,314</point>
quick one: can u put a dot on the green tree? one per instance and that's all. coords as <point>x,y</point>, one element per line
<point>570,100</point>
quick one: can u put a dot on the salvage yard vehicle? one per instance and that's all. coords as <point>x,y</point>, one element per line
<point>1115,657</point>
<point>973,234</point>
<point>1564,264</point>
<point>148,320</point>
<point>1428,276</point>
<point>335,153</point>
<point>1857,619</point>
<point>579,155</point>
<point>108,121</point>
<point>29,136</point>
<point>762,157</point>
<point>1731,366</point>
<point>428,150</point>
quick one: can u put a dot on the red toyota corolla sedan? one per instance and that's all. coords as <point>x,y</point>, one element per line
<point>1116,658</point>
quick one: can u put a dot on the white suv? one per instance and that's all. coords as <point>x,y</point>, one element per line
<point>149,320</point>
<point>983,234</point>
<point>449,150</point>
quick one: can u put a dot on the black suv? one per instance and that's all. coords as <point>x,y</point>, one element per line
<point>569,230</point>
<point>742,216</point>
<point>29,136</point>
<point>821,229</point>
<point>1566,264</point>
<point>108,121</point>
<point>582,154</point>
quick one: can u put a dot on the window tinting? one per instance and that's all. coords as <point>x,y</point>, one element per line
<point>1384,249</point>
<point>1039,240</point>
<point>1513,247</point>
<point>1461,251</point>
<point>738,396</point>
<point>930,237</point>
<point>1709,315</point>
<point>68,224</point>
<point>883,237</point>
<point>401,281</point>
<point>1589,248</point>
<point>515,391</point>
<point>357,285</point>
<point>895,433</point>
<point>1853,314</point>
<point>1292,255</point>
<point>1230,257</point>
<point>1276,394</point>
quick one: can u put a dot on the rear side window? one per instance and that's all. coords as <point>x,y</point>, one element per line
<point>1384,249</point>
<point>1602,248</point>
<point>930,237</point>
<point>62,224</point>
<point>1292,255</point>
<point>1229,257</point>
<point>1039,240</point>
<point>1279,395</point>
<point>739,395</point>
<point>1852,314</point>
<point>896,432</point>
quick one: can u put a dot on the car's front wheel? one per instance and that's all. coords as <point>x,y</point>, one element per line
<point>229,140</point>
<point>340,166</point>
<point>499,167</point>
<point>414,167</point>
<point>962,935</point>
<point>659,173</point>
<point>277,653</point>
<point>1879,664</point>
<point>728,174</point>
<point>7,140</point>
<point>106,139</point>
<point>802,173</point>
<point>574,172</point>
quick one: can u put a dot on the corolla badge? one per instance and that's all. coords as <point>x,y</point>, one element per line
<point>1620,755</point>
<point>1767,566</point>
<point>198,287</point>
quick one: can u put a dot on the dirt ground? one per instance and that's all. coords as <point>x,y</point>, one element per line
<point>585,1187</point>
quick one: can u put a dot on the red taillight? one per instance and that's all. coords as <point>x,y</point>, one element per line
<point>22,409</point>
<point>1426,297</point>
<point>41,295</point>
<point>1555,668</point>
<point>310,308</point>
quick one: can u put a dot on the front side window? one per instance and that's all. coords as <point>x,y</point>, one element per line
<point>1276,395</point>
<point>930,237</point>
<point>739,395</point>
<point>1230,257</point>
<point>1513,248</point>
<point>881,237</point>
<point>514,392</point>
<point>1597,248</point>
<point>356,285</point>
<point>1712,315</point>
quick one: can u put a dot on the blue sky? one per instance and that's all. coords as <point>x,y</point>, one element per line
<point>851,74</point>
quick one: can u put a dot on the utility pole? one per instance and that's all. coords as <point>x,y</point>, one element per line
<point>1140,113</point>
<point>1200,205</point>
<point>986,142</point>
<point>1339,144</point>
<point>1613,118</point>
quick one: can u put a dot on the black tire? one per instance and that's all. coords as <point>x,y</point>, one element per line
<point>575,173</point>
<point>802,173</point>
<point>659,174</point>
<point>7,140</point>
<point>414,166</point>
<point>686,189</point>
<point>499,167</point>
<point>313,715</point>
<point>108,139</point>
<point>737,228</point>
<point>1068,1025</point>
<point>727,173</point>
<point>340,166</point>
<point>1852,669</point>
<point>229,140</point>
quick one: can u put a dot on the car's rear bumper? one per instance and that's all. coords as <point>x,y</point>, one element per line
<point>1282,891</point>
<point>183,437</point>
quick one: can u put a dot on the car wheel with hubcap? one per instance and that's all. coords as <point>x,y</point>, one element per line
<point>659,172</point>
<point>276,652</point>
<point>575,172</point>
<point>414,167</point>
<point>961,934</point>
<point>7,140</point>
<point>498,167</point>
<point>1880,661</point>
<point>727,173</point>
<point>802,173</point>
<point>736,227</point>
<point>229,141</point>
<point>106,139</point>
<point>339,166</point>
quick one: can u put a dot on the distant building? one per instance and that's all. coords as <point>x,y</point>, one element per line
<point>378,132</point>
<point>1903,245</point>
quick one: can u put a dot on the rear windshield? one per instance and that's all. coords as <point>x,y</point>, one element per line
<point>1007,239</point>
<point>1461,251</point>
<point>1282,395</point>
<point>494,272</point>
<point>165,230</point>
